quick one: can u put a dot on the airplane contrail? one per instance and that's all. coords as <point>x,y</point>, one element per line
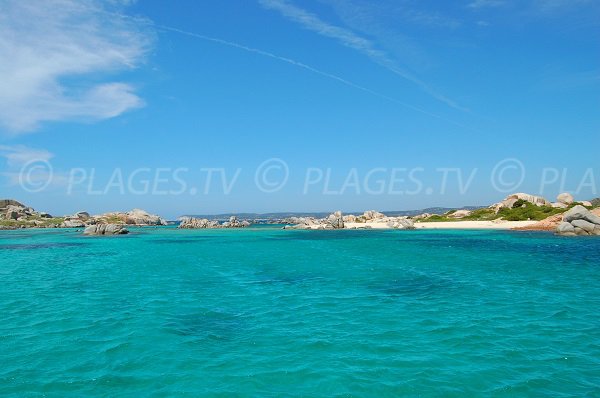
<point>303,66</point>
<point>288,61</point>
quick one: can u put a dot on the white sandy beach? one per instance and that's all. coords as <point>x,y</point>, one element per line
<point>449,225</point>
<point>474,225</point>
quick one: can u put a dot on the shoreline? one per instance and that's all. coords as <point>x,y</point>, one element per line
<point>449,225</point>
<point>455,225</point>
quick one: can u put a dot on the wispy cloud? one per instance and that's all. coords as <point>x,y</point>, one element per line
<point>45,43</point>
<point>19,155</point>
<point>486,3</point>
<point>17,161</point>
<point>352,40</point>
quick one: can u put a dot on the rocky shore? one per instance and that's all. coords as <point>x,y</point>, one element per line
<point>520,211</point>
<point>579,221</point>
<point>15,215</point>
<point>203,223</point>
<point>370,219</point>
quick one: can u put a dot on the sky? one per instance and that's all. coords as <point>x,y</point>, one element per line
<point>206,107</point>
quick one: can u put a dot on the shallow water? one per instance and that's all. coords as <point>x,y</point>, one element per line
<point>267,312</point>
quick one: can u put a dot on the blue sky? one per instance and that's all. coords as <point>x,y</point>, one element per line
<point>329,84</point>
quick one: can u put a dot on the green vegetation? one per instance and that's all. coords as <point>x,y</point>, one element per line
<point>42,222</point>
<point>528,211</point>
<point>113,219</point>
<point>595,202</point>
<point>522,211</point>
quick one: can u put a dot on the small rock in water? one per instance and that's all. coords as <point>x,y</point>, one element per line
<point>105,229</point>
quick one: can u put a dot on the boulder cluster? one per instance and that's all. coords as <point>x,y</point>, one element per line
<point>511,200</point>
<point>337,220</point>
<point>579,221</point>
<point>24,216</point>
<point>563,201</point>
<point>203,223</point>
<point>18,215</point>
<point>134,217</point>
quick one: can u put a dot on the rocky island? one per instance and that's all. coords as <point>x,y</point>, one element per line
<point>368,220</point>
<point>15,215</point>
<point>204,223</point>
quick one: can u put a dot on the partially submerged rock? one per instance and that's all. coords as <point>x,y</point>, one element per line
<point>105,229</point>
<point>579,221</point>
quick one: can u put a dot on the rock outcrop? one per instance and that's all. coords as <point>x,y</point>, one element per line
<point>565,198</point>
<point>510,201</point>
<point>422,216</point>
<point>197,223</point>
<point>401,223</point>
<point>4,203</point>
<point>16,211</point>
<point>460,214</point>
<point>105,229</point>
<point>134,217</point>
<point>368,220</point>
<point>203,223</point>
<point>72,223</point>
<point>17,215</point>
<point>349,218</point>
<point>335,221</point>
<point>547,224</point>
<point>235,223</point>
<point>579,221</point>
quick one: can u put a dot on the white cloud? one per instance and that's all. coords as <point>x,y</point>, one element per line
<point>19,155</point>
<point>49,47</point>
<point>32,166</point>
<point>352,40</point>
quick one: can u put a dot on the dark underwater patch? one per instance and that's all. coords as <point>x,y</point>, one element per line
<point>182,241</point>
<point>413,286</point>
<point>311,235</point>
<point>209,325</point>
<point>275,278</point>
<point>36,246</point>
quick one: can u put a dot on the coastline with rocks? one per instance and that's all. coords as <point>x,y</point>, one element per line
<point>519,211</point>
<point>15,215</point>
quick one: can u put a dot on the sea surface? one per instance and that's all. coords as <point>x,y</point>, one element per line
<point>265,312</point>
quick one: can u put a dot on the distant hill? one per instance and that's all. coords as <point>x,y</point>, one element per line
<point>595,202</point>
<point>278,216</point>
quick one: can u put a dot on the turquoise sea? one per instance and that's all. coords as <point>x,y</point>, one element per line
<point>266,312</point>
